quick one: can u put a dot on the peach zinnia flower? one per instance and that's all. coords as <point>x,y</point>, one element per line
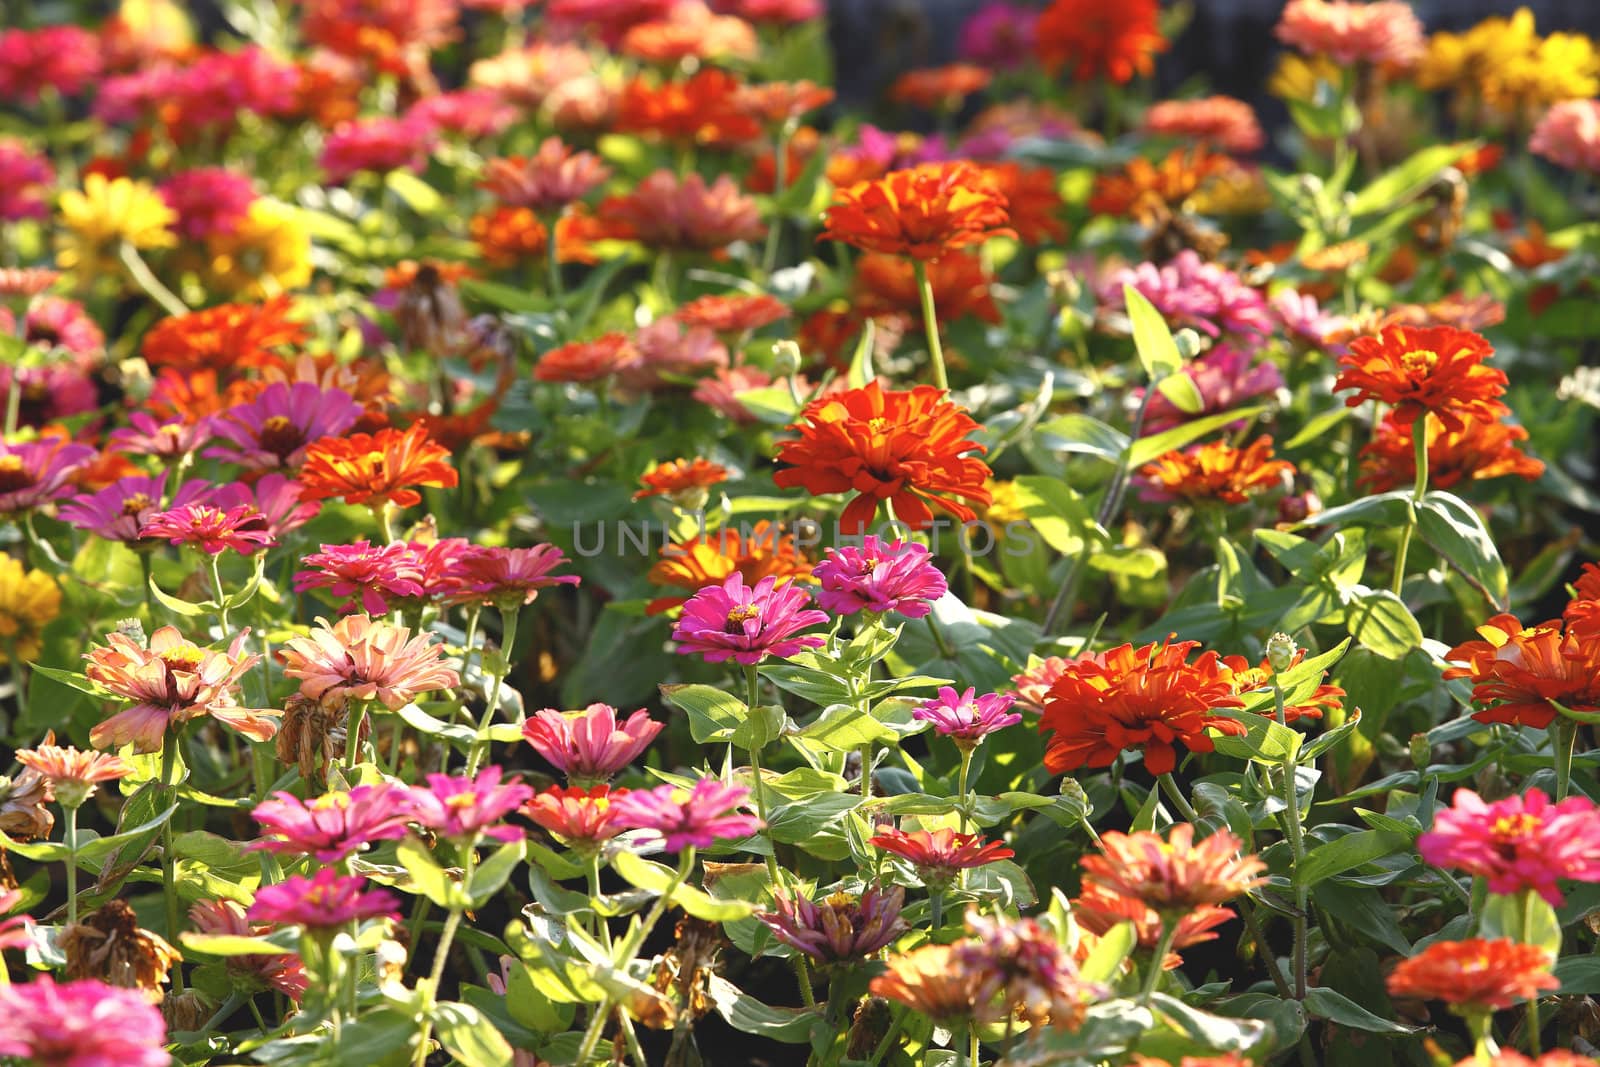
<point>1151,698</point>
<point>172,681</point>
<point>666,212</point>
<point>1475,974</point>
<point>377,468</point>
<point>586,361</point>
<point>909,448</point>
<point>1387,32</point>
<point>1223,121</point>
<point>1095,38</point>
<point>940,88</point>
<point>681,479</point>
<point>927,981</point>
<point>732,313</point>
<point>1477,452</point>
<point>1100,910</point>
<point>547,181</point>
<point>1569,136</point>
<point>1437,369</point>
<point>72,773</point>
<point>1174,875</point>
<point>925,212</point>
<point>365,659</point>
<point>1519,673</point>
<point>1215,473</point>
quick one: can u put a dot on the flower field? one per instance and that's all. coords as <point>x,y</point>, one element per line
<point>535,534</point>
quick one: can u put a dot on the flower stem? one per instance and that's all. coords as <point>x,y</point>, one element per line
<point>1561,741</point>
<point>1419,435</point>
<point>1169,933</point>
<point>169,766</point>
<point>967,799</point>
<point>69,840</point>
<point>973,1051</point>
<point>145,278</point>
<point>222,596</point>
<point>1297,849</point>
<point>1528,897</point>
<point>480,743</point>
<point>352,735</point>
<point>753,694</point>
<point>780,179</point>
<point>1179,801</point>
<point>930,324</point>
<point>441,955</point>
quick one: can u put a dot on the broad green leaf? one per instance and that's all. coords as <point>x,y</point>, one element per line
<point>1147,448</point>
<point>1179,388</point>
<point>1381,622</point>
<point>1410,177</point>
<point>232,945</point>
<point>861,371</point>
<point>845,728</point>
<point>467,1035</point>
<point>656,877</point>
<point>1112,948</point>
<point>1334,1006</point>
<point>1152,337</point>
<point>492,874</point>
<point>1456,531</point>
<point>1525,917</point>
<point>427,877</point>
<point>1349,852</point>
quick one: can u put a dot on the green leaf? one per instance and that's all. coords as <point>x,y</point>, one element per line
<point>1317,426</point>
<point>1334,1006</point>
<point>425,724</point>
<point>1327,740</point>
<point>1207,1032</point>
<point>1179,388</point>
<point>713,714</point>
<point>177,605</point>
<point>1455,530</point>
<point>1113,947</point>
<point>1349,852</point>
<point>1525,917</point>
<point>492,874</point>
<point>1082,434</point>
<point>1057,513</point>
<point>427,877</point>
<point>71,679</point>
<point>1381,509</point>
<point>465,1033</point>
<point>1410,177</point>
<point>845,728</point>
<point>1152,337</point>
<point>232,945</point>
<point>861,371</point>
<point>1580,975</point>
<point>1266,741</point>
<point>749,1015</point>
<point>655,877</point>
<point>1381,622</point>
<point>1147,448</point>
<point>417,194</point>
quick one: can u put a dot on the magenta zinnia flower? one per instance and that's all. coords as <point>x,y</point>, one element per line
<point>81,1024</point>
<point>581,817</point>
<point>360,570</point>
<point>36,472</point>
<point>324,901</point>
<point>967,718</point>
<point>734,621</point>
<point>509,577</point>
<point>334,825</point>
<point>472,113</point>
<point>698,817</point>
<point>283,972</point>
<point>590,745</point>
<point>120,510</point>
<point>841,927</point>
<point>276,498</point>
<point>378,144</point>
<point>1224,378</point>
<point>1517,843</point>
<point>211,529</point>
<point>168,441</point>
<point>64,58</point>
<point>460,807</point>
<point>16,931</point>
<point>362,658</point>
<point>1188,291</point>
<point>273,430</point>
<point>25,181</point>
<point>879,577</point>
<point>209,201</point>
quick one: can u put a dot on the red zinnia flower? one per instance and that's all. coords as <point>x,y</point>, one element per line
<point>227,338</point>
<point>732,312</point>
<point>1520,672</point>
<point>377,468</point>
<point>1436,369</point>
<point>939,854</point>
<point>1476,974</point>
<point>586,361</point>
<point>906,447</point>
<point>1095,38</point>
<point>887,285</point>
<point>925,212</point>
<point>1478,451</point>
<point>681,476</point>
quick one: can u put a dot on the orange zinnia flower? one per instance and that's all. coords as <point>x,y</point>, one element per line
<point>1478,451</point>
<point>779,103</point>
<point>925,212</point>
<point>1436,369</point>
<point>681,477</point>
<point>1475,974</point>
<point>1143,187</point>
<point>1095,38</point>
<point>928,982</point>
<point>226,339</point>
<point>763,552</point>
<point>908,447</point>
<point>1518,671</point>
<point>377,468</point>
<point>666,212</point>
<point>1150,698</point>
<point>1100,910</point>
<point>732,312</point>
<point>940,88</point>
<point>507,236</point>
<point>586,361</point>
<point>1246,679</point>
<point>699,110</point>
<point>1032,200</point>
<point>887,285</point>
<point>1175,875</point>
<point>1582,615</point>
<point>1215,473</point>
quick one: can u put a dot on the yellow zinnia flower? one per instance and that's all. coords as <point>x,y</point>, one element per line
<point>29,600</point>
<point>107,212</point>
<point>267,254</point>
<point>1297,76</point>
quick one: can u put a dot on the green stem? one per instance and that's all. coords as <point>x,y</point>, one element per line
<point>1562,738</point>
<point>967,800</point>
<point>780,179</point>
<point>1297,850</point>
<point>1169,786</point>
<point>169,766</point>
<point>352,735</point>
<point>602,929</point>
<point>930,324</point>
<point>1419,434</point>
<point>973,1050</point>
<point>222,596</point>
<point>69,840</point>
<point>508,638</point>
<point>145,278</point>
<point>938,638</point>
<point>1169,931</point>
<point>752,685</point>
<point>146,569</point>
<point>18,687</point>
<point>1528,897</point>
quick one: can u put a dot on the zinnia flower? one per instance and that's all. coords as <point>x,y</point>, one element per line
<point>169,441</point>
<point>207,201</point>
<point>374,574</point>
<point>763,551</point>
<point>886,286</point>
<point>1022,970</point>
<point>1228,123</point>
<point>1176,874</point>
<point>879,577</point>
<point>1385,32</point>
<point>1519,673</point>
<point>1477,452</point>
<point>1215,473</point>
<point>29,601</point>
<point>939,854</point>
<point>227,338</point>
<point>939,88</point>
<point>335,825</point>
<point>1225,377</point>
<point>275,498</point>
<point>1438,370</point>
<point>73,773</point>
<point>928,981</point>
<point>34,473</point>
<point>25,182</point>
<point>1188,291</point>
<point>734,621</point>
<point>1568,135</point>
<point>1475,975</point>
<point>274,430</point>
<point>697,817</point>
<point>377,468</point>
<point>121,511</point>
<point>361,658</point>
<point>667,212</point>
<point>590,745</point>
<point>282,972</point>
<point>840,927</point>
<point>378,144</point>
<point>64,58</point>
<point>509,577</point>
<point>268,253</point>
<point>1100,910</point>
<point>582,817</point>
<point>81,1024</point>
<point>323,902</point>
<point>585,361</point>
<point>999,35</point>
<point>1149,699</point>
<point>547,181</point>
<point>210,529</point>
<point>682,481</point>
<point>172,681</point>
<point>1517,843</point>
<point>924,213</point>
<point>1095,39</point>
<point>906,447</point>
<point>967,718</point>
<point>461,807</point>
<point>732,313</point>
<point>701,109</point>
<point>107,212</point>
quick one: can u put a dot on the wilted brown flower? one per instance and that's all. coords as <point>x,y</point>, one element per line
<point>109,946</point>
<point>312,737</point>
<point>22,805</point>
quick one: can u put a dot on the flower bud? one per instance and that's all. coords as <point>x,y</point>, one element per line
<point>1281,651</point>
<point>1421,751</point>
<point>785,359</point>
<point>1064,286</point>
<point>1190,344</point>
<point>133,630</point>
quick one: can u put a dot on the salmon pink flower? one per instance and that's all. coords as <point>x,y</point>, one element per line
<point>281,972</point>
<point>586,361</point>
<point>34,473</point>
<point>1226,123</point>
<point>733,313</point>
<point>666,350</point>
<point>1421,370</point>
<point>211,529</point>
<point>1175,874</point>
<point>273,431</point>
<point>469,113</point>
<point>924,213</point>
<point>967,718</point>
<point>509,577</point>
<point>379,144</point>
<point>16,931</point>
<point>696,817</point>
<point>361,658</point>
<point>1100,910</point>
<point>590,745</point>
<point>879,577</point>
<point>172,682</point>
<point>1386,32</point>
<point>547,181</point>
<point>841,927</point>
<point>323,902</point>
<point>359,570</point>
<point>939,854</point>
<point>735,621</point>
<point>1475,975</point>
<point>334,825</point>
<point>581,817</point>
<point>1519,673</point>
<point>72,773</point>
<point>664,211</point>
<point>1568,135</point>
<point>462,807</point>
<point>81,1024</point>
<point>1033,685</point>
<point>1517,843</point>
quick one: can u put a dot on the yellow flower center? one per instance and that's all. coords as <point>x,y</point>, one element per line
<point>877,423</point>
<point>183,657</point>
<point>1515,825</point>
<point>739,616</point>
<point>136,503</point>
<point>1419,361</point>
<point>330,801</point>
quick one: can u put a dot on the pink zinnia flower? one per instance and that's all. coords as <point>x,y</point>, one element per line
<point>509,577</point>
<point>276,498</point>
<point>81,1024</point>
<point>25,181</point>
<point>322,902</point>
<point>442,564</point>
<point>939,854</point>
<point>283,972</point>
<point>665,211</point>
<point>471,113</point>
<point>734,621</point>
<point>334,825</point>
<point>56,325</point>
<point>697,817</point>
<point>590,745</point>
<point>841,927</point>
<point>120,510</point>
<point>34,473</point>
<point>1347,32</point>
<point>879,577</point>
<point>73,773</point>
<point>720,392</point>
<point>1191,292</point>
<point>362,658</point>
<point>1033,684</point>
<point>50,393</point>
<point>1224,377</point>
<point>581,817</point>
<point>665,350</point>
<point>1517,843</point>
<point>1224,121</point>
<point>1568,135</point>
<point>967,718</point>
<point>1299,314</point>
<point>999,35</point>
<point>16,931</point>
<point>547,181</point>
<point>168,441</point>
<point>209,201</point>
<point>273,430</point>
<point>460,807</point>
<point>775,12</point>
<point>379,145</point>
<point>63,58</point>
<point>372,574</point>
<point>211,529</point>
<point>172,681</point>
